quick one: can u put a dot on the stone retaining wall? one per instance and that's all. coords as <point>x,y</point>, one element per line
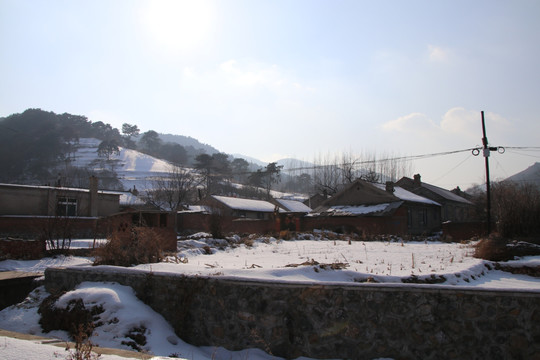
<point>357,321</point>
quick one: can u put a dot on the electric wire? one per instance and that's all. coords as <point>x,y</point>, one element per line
<point>468,157</point>
<point>399,158</point>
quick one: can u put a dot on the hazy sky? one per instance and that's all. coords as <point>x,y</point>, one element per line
<point>276,79</point>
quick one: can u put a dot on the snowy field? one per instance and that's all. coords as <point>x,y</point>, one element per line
<point>311,258</point>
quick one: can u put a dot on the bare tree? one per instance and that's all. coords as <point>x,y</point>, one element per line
<point>171,191</point>
<point>392,167</point>
<point>349,167</point>
<point>326,175</point>
<point>330,173</point>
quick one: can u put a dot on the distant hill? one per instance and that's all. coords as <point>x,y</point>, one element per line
<point>531,175</point>
<point>187,141</point>
<point>256,163</point>
<point>132,167</point>
<point>290,163</point>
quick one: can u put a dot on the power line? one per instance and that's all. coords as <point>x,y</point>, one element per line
<point>454,168</point>
<point>411,157</point>
<point>522,154</point>
<point>399,158</point>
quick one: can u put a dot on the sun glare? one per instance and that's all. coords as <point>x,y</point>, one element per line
<point>178,25</point>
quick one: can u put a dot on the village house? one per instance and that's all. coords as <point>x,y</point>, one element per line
<point>230,214</point>
<point>423,214</point>
<point>454,207</point>
<point>29,215</point>
<point>367,208</point>
<point>292,214</point>
<point>28,200</point>
<point>315,200</point>
<point>293,206</point>
<point>241,208</point>
<point>28,211</point>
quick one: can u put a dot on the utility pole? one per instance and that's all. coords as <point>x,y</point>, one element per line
<point>488,184</point>
<point>486,152</point>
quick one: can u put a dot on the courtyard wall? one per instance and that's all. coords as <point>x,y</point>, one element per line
<point>355,321</point>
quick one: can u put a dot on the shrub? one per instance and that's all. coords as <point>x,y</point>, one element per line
<point>516,208</point>
<point>493,248</point>
<point>76,319</point>
<point>139,246</point>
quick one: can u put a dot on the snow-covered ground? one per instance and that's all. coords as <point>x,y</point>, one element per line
<point>310,258</point>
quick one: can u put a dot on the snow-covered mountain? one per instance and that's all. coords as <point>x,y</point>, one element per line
<point>133,168</point>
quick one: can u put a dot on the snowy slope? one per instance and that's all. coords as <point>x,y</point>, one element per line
<point>133,168</point>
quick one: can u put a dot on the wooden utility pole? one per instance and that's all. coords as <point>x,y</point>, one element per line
<point>486,151</point>
<point>488,185</point>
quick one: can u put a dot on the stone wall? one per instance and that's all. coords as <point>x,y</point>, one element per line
<point>356,321</point>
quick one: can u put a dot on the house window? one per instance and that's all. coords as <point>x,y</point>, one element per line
<point>66,206</point>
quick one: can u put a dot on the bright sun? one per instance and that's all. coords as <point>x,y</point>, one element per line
<point>178,25</point>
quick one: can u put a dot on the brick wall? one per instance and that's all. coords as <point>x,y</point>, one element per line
<point>363,225</point>
<point>22,249</point>
<point>34,227</point>
<point>202,222</point>
<point>464,230</point>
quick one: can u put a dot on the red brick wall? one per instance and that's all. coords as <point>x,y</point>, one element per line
<point>34,227</point>
<point>465,230</point>
<point>396,224</point>
<point>360,225</point>
<point>22,249</point>
<point>202,222</point>
<point>192,222</point>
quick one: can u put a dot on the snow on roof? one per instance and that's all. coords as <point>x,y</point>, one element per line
<point>128,198</point>
<point>246,204</point>
<point>447,194</point>
<point>351,210</point>
<point>405,195</point>
<point>46,187</point>
<point>294,206</point>
<point>195,209</point>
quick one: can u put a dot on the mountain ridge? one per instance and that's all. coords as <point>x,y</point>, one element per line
<point>530,175</point>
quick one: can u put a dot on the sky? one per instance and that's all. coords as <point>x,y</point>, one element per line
<point>279,79</point>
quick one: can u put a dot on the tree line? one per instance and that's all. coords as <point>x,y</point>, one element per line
<point>35,145</point>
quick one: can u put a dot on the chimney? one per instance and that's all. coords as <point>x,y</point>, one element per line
<point>417,180</point>
<point>93,196</point>
<point>390,187</point>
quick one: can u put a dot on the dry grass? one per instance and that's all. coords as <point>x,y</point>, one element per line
<point>492,248</point>
<point>138,246</point>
